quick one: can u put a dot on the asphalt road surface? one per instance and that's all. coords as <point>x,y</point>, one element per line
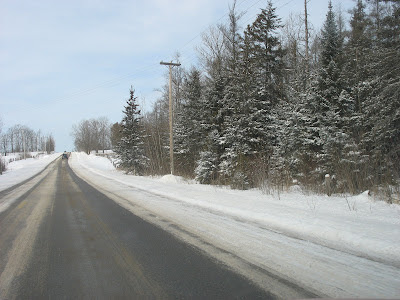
<point>62,239</point>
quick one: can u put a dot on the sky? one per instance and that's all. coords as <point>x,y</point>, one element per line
<point>65,61</point>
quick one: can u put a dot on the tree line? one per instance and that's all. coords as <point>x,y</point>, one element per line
<point>20,138</point>
<point>274,105</point>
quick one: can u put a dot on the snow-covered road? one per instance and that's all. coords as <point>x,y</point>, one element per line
<point>20,171</point>
<point>328,245</point>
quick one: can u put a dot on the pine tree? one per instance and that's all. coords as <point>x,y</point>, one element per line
<point>329,39</point>
<point>352,99</point>
<point>322,109</point>
<point>188,130</point>
<point>254,90</point>
<point>329,80</point>
<point>306,127</point>
<point>231,139</point>
<point>382,110</point>
<point>206,169</point>
<point>266,54</point>
<point>265,58</point>
<point>211,127</point>
<point>357,52</point>
<point>130,149</point>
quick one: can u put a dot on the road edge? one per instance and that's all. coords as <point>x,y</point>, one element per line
<point>282,286</point>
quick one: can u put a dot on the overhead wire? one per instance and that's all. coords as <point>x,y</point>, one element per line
<point>204,28</point>
<point>108,83</point>
<point>247,9</point>
<point>193,54</point>
<point>185,58</point>
<point>277,7</point>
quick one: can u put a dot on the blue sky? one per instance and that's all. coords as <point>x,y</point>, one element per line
<point>64,61</point>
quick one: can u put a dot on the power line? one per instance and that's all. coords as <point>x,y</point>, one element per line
<point>254,15</point>
<point>204,28</point>
<point>119,79</point>
<point>193,55</point>
<point>108,83</point>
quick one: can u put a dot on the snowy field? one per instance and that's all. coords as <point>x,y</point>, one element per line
<point>20,170</point>
<point>335,246</point>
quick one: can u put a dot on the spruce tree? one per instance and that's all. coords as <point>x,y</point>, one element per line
<point>188,130</point>
<point>265,59</point>
<point>352,100</point>
<point>130,149</point>
<point>321,110</point>
<point>329,80</point>
<point>210,148</point>
<point>267,54</point>
<point>382,110</point>
<point>250,99</point>
<point>231,139</point>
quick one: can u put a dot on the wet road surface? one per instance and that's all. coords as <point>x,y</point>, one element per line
<point>65,240</point>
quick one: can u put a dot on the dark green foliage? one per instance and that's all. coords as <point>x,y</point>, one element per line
<point>330,39</point>
<point>130,149</point>
<point>188,129</point>
<point>250,120</point>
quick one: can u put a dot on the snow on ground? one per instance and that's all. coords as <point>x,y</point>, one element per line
<point>336,246</point>
<point>20,170</point>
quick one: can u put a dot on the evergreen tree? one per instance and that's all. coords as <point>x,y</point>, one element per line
<point>265,60</point>
<point>329,80</point>
<point>382,110</point>
<point>329,39</point>
<point>188,130</point>
<point>256,88</point>
<point>231,108</point>
<point>211,126</point>
<point>248,121</point>
<point>266,54</point>
<point>321,110</point>
<point>358,53</point>
<point>130,149</point>
<point>214,55</point>
<point>306,131</point>
<point>206,169</point>
<point>235,135</point>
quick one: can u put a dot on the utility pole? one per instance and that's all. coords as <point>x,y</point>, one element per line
<point>24,143</point>
<point>306,28</point>
<point>171,115</point>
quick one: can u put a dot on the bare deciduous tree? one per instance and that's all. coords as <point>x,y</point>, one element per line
<point>93,134</point>
<point>104,133</point>
<point>20,138</point>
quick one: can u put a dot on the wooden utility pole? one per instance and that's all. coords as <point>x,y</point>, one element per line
<point>306,28</point>
<point>171,115</point>
<point>24,142</point>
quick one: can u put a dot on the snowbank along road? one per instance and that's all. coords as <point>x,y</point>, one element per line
<point>62,238</point>
<point>280,244</point>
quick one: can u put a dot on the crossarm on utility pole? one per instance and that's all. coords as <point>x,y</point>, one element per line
<point>169,64</point>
